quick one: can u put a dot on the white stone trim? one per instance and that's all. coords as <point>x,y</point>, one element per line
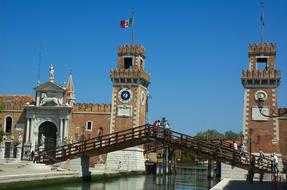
<point>86,128</point>
<point>245,110</point>
<point>6,123</point>
<point>113,112</point>
<point>276,136</point>
<point>27,131</point>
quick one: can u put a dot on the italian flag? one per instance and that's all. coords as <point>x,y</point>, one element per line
<point>127,23</point>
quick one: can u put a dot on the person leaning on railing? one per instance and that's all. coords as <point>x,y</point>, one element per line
<point>251,169</point>
<point>285,168</point>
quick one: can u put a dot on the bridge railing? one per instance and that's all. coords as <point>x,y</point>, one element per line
<point>86,145</point>
<point>215,150</point>
<point>221,152</point>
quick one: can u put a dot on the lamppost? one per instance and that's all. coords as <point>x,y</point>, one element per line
<point>250,140</point>
<point>260,98</point>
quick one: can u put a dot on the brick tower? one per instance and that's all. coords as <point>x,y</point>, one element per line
<point>129,103</point>
<point>261,79</point>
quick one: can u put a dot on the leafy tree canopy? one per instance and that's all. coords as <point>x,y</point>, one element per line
<point>214,134</point>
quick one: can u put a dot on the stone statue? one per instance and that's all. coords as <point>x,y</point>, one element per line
<point>58,141</point>
<point>51,72</point>
<point>20,139</point>
<point>46,99</point>
<point>42,140</point>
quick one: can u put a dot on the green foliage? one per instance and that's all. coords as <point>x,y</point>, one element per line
<point>2,107</point>
<point>1,135</point>
<point>212,134</point>
<point>187,156</point>
<point>230,135</point>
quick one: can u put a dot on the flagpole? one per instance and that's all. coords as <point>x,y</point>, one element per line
<point>133,17</point>
<point>262,21</point>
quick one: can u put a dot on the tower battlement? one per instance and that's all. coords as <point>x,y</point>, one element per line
<point>262,49</point>
<point>131,50</point>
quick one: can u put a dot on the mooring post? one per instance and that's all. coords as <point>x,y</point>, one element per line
<point>174,162</point>
<point>86,174</point>
<point>166,165</point>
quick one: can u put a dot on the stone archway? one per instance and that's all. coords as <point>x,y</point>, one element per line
<point>47,136</point>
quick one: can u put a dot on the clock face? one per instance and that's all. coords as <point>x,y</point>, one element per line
<point>261,95</point>
<point>125,95</point>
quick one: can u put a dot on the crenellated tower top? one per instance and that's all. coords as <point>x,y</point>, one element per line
<point>262,53</point>
<point>133,50</point>
<point>262,68</point>
<point>131,65</point>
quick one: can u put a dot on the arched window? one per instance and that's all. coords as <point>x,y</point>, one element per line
<point>8,124</point>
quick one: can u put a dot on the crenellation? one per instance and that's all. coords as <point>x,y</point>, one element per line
<point>262,48</point>
<point>83,107</point>
<point>132,73</point>
<point>131,50</point>
<point>261,74</point>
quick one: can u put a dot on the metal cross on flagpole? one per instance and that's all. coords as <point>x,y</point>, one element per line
<point>133,21</point>
<point>262,21</point>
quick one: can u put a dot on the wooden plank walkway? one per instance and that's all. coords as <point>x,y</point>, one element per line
<point>162,138</point>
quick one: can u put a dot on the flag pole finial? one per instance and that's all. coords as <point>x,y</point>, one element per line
<point>262,21</point>
<point>133,20</point>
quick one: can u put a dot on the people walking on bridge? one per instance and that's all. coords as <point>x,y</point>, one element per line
<point>285,169</point>
<point>235,149</point>
<point>243,151</point>
<point>276,164</point>
<point>261,156</point>
<point>154,128</point>
<point>250,174</point>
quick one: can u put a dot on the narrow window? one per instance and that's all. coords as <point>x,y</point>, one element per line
<point>141,67</point>
<point>8,125</point>
<point>89,126</point>
<point>128,61</point>
<point>261,64</point>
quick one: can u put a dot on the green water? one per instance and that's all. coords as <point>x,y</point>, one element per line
<point>185,179</point>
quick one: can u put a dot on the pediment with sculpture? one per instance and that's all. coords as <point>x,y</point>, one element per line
<point>50,94</point>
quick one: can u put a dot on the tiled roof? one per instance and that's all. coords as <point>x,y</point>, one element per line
<point>15,102</point>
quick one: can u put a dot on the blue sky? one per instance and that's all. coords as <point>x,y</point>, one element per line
<point>196,51</point>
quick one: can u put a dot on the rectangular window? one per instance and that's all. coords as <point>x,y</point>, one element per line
<point>128,61</point>
<point>261,63</point>
<point>89,126</point>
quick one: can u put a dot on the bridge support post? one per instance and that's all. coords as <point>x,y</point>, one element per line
<point>209,169</point>
<point>86,174</point>
<point>218,169</point>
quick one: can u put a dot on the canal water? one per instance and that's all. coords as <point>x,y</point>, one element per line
<point>186,178</point>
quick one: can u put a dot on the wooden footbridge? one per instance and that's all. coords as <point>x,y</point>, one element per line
<point>162,138</point>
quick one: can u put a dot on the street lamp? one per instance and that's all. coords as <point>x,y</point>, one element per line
<point>250,140</point>
<point>260,98</point>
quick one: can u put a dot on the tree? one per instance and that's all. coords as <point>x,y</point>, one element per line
<point>230,135</point>
<point>2,106</point>
<point>210,134</point>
